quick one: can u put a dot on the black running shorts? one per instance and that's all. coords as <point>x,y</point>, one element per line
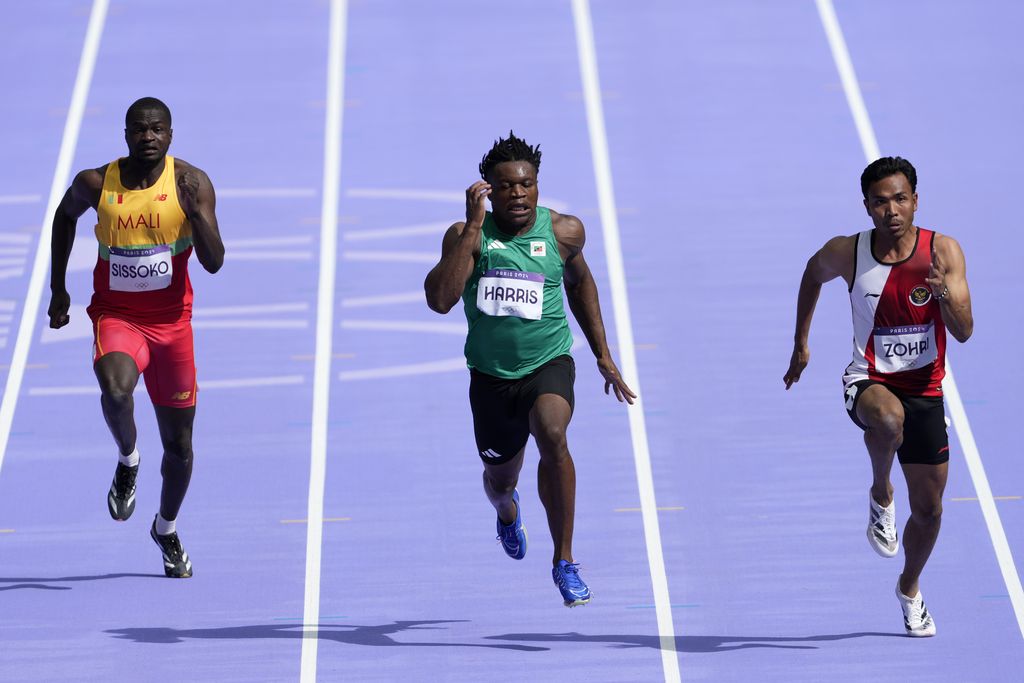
<point>501,407</point>
<point>925,441</point>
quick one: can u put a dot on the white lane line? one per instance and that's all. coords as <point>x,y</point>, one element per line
<point>6,262</point>
<point>624,333</point>
<point>236,324</point>
<point>395,193</point>
<point>406,326</point>
<point>244,383</point>
<point>61,176</point>
<point>388,233</point>
<point>324,336</point>
<point>11,272</point>
<point>247,243</point>
<point>392,256</point>
<point>444,196</point>
<point>837,43</point>
<point>296,307</point>
<point>447,365</point>
<point>956,407</point>
<point>20,198</point>
<point>271,256</point>
<point>8,304</point>
<point>266,192</point>
<point>14,251</point>
<point>15,238</point>
<point>383,299</point>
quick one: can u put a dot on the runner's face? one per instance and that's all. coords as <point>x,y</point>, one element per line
<point>891,204</point>
<point>514,194</point>
<point>148,136</point>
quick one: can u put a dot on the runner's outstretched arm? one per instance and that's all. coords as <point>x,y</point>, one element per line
<point>200,208</point>
<point>445,281</point>
<point>581,292</point>
<point>827,264</point>
<point>83,193</point>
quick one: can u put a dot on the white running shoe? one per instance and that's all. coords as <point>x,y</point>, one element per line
<point>882,528</point>
<point>916,619</point>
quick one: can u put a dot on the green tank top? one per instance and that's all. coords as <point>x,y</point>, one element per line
<point>513,301</point>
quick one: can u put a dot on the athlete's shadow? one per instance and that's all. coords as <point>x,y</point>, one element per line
<point>351,634</point>
<point>41,583</point>
<point>693,644</point>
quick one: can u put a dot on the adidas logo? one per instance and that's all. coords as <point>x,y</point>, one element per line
<point>495,244</point>
<point>490,452</point>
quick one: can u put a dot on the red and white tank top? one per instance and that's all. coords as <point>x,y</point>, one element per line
<point>898,334</point>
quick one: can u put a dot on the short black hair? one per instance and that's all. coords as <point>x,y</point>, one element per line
<point>146,104</point>
<point>511,149</point>
<point>885,167</point>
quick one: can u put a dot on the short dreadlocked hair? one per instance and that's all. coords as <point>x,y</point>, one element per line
<point>511,149</point>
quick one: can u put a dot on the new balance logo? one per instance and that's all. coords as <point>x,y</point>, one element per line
<point>181,396</point>
<point>160,198</point>
<point>495,244</point>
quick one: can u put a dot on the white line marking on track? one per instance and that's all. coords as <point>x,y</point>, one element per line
<point>20,198</point>
<point>15,238</point>
<point>252,324</point>
<point>243,383</point>
<point>324,338</point>
<point>11,272</point>
<point>266,192</point>
<point>964,434</point>
<point>248,243</point>
<point>384,299</point>
<point>388,233</point>
<point>428,368</point>
<point>297,307</point>
<point>61,176</point>
<point>624,333</point>
<point>272,256</point>
<point>14,251</point>
<point>406,326</point>
<point>392,256</point>
<point>446,196</point>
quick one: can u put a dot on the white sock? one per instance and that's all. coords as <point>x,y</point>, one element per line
<point>163,526</point>
<point>130,460</point>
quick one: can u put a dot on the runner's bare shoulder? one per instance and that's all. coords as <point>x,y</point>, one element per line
<point>568,230</point>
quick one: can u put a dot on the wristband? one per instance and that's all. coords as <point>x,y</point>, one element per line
<point>943,294</point>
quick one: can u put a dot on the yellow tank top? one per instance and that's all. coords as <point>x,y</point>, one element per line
<point>145,241</point>
<point>141,218</point>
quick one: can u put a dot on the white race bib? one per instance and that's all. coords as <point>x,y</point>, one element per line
<point>511,292</point>
<point>898,349</point>
<point>140,270</point>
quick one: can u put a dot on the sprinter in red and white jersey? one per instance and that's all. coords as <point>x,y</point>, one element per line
<point>908,287</point>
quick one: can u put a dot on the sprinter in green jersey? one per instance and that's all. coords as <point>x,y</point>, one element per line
<point>509,267</point>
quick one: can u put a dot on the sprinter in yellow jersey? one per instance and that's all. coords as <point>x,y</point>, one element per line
<point>152,209</point>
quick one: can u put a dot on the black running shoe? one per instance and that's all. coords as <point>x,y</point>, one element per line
<point>121,498</point>
<point>176,562</point>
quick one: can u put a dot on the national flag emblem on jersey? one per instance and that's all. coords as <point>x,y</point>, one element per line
<point>538,249</point>
<point>920,295</point>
